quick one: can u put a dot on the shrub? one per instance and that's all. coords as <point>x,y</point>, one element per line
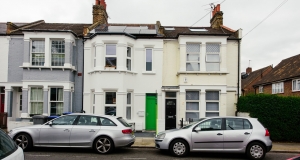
<point>281,115</point>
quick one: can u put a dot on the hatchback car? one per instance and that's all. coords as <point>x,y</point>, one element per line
<point>218,134</point>
<point>102,133</point>
<point>8,148</point>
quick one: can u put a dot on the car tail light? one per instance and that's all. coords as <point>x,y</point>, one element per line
<point>126,131</point>
<point>267,132</point>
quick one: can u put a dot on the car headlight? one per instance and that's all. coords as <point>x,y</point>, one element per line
<point>161,136</point>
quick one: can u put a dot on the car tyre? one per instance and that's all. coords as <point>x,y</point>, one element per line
<point>179,148</point>
<point>103,145</point>
<point>256,151</point>
<point>24,141</point>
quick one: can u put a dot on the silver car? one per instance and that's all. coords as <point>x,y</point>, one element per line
<point>218,134</point>
<point>102,133</point>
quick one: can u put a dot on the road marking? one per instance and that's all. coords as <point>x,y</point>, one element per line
<point>134,158</point>
<point>38,155</point>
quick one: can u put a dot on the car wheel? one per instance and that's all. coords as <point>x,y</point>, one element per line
<point>103,145</point>
<point>24,141</point>
<point>179,148</point>
<point>256,151</point>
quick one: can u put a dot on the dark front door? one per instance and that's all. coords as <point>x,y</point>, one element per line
<point>170,114</point>
<point>2,103</point>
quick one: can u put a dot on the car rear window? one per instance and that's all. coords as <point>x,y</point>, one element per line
<point>120,119</point>
<point>7,145</point>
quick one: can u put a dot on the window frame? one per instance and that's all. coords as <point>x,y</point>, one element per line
<point>192,101</point>
<point>151,49</point>
<point>296,86</point>
<point>106,105</point>
<point>129,58</point>
<point>110,56</point>
<point>31,52</point>
<point>129,105</point>
<point>64,54</point>
<point>261,89</point>
<point>212,101</point>
<point>36,101</point>
<point>193,53</point>
<point>277,87</point>
<point>61,101</point>
<point>212,53</point>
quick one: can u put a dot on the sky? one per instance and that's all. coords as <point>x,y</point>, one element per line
<point>269,36</point>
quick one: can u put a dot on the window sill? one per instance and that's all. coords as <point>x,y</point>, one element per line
<point>202,72</point>
<point>112,70</point>
<point>149,72</point>
<point>49,67</point>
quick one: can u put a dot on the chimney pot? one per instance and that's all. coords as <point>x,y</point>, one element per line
<point>248,70</point>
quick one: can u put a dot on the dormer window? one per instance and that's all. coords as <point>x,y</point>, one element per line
<point>38,52</point>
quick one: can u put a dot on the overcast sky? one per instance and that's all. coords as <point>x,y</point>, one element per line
<point>276,38</point>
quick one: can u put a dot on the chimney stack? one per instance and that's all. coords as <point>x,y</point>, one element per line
<point>217,17</point>
<point>248,70</point>
<point>99,12</point>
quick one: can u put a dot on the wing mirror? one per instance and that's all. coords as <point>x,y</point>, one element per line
<point>50,123</point>
<point>197,129</point>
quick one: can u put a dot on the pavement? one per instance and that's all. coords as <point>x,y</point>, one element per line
<point>147,140</point>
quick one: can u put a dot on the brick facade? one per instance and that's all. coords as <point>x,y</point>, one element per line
<point>287,89</point>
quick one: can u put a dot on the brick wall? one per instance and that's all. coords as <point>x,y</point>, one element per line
<point>287,89</point>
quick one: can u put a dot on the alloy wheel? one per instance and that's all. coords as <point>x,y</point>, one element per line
<point>103,145</point>
<point>22,141</point>
<point>256,151</point>
<point>179,148</point>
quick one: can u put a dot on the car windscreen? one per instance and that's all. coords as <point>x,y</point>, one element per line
<point>120,119</point>
<point>7,145</point>
<point>189,125</point>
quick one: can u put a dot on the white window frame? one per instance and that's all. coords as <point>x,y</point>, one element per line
<point>95,57</point>
<point>64,54</point>
<point>296,85</point>
<point>213,53</point>
<point>61,101</point>
<point>31,52</point>
<point>36,101</point>
<point>129,58</point>
<point>110,105</point>
<point>261,89</point>
<point>193,53</point>
<point>129,105</point>
<point>278,87</point>
<point>146,59</point>
<point>215,101</point>
<point>197,101</point>
<point>110,56</point>
<point>93,102</point>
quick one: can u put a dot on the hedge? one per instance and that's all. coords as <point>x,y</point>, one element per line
<point>281,115</point>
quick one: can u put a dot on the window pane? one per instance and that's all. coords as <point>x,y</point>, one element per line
<point>170,94</point>
<point>58,60</point>
<point>110,111</point>
<point>128,64</point>
<point>38,59</point>
<point>128,112</point>
<point>234,124</point>
<point>212,106</point>
<point>194,66</point>
<point>58,46</point>
<point>212,95</point>
<point>192,105</point>
<point>247,124</point>
<point>192,47</point>
<point>298,84</point>
<point>88,120</point>
<point>148,59</point>
<point>212,124</point>
<point>192,95</point>
<point>111,50</point>
<point>110,62</point>
<point>106,122</point>
<point>110,98</point>
<point>64,120</point>
<point>212,114</point>
<point>213,48</point>
<point>191,115</point>
<point>53,94</point>
<point>192,57</point>
<point>128,98</point>
<point>38,46</point>
<point>128,52</point>
<point>212,58</point>
<point>56,108</point>
<point>212,66</point>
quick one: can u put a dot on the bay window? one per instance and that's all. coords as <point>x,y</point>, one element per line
<point>128,59</point>
<point>110,103</point>
<point>128,107</point>
<point>111,56</point>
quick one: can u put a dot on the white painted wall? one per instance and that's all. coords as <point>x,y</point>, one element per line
<point>138,81</point>
<point>4,46</point>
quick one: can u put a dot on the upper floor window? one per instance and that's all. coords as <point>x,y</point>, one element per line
<point>296,85</point>
<point>95,57</point>
<point>261,89</point>
<point>57,53</point>
<point>212,57</point>
<point>277,88</point>
<point>128,60</point>
<point>149,59</point>
<point>111,56</point>
<point>38,52</point>
<point>193,57</point>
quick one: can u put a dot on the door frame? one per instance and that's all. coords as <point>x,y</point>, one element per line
<point>153,117</point>
<point>18,111</point>
<point>175,100</point>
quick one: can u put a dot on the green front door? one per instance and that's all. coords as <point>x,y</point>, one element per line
<point>151,111</point>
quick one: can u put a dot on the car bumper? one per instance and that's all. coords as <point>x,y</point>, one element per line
<point>125,141</point>
<point>269,148</point>
<point>161,144</point>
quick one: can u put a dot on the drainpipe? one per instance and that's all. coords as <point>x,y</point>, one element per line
<point>238,87</point>
<point>83,40</point>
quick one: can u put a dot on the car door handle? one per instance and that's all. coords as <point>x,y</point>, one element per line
<point>219,134</point>
<point>246,133</point>
<point>92,130</point>
<point>66,130</point>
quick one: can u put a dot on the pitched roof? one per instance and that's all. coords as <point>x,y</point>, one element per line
<point>286,69</point>
<point>252,76</point>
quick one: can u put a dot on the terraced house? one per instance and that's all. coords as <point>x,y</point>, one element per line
<point>152,75</point>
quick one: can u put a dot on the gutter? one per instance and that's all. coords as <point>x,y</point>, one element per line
<point>41,30</point>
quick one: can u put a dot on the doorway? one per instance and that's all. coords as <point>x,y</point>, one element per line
<point>151,111</point>
<point>19,105</point>
<point>170,114</point>
<point>2,99</point>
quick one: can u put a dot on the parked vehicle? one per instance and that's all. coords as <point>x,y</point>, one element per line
<point>218,134</point>
<point>102,133</point>
<point>8,148</point>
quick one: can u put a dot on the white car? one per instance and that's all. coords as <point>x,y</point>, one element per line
<point>8,148</point>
